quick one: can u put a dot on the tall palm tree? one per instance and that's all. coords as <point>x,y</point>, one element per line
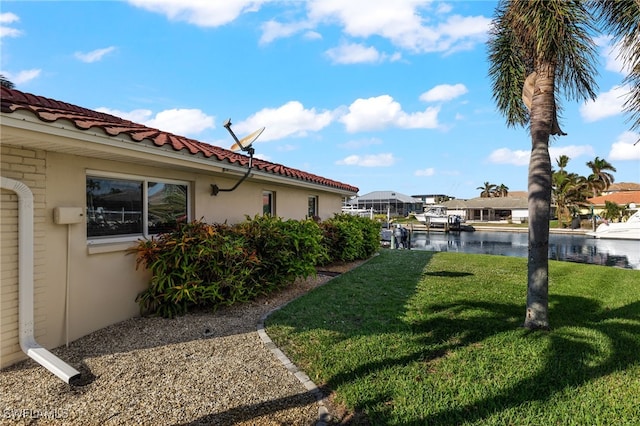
<point>600,178</point>
<point>537,48</point>
<point>487,190</point>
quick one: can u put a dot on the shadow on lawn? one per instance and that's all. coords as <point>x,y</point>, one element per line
<point>568,363</point>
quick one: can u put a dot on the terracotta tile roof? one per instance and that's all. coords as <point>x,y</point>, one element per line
<point>50,110</point>
<point>622,198</point>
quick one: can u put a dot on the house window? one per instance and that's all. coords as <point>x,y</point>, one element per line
<point>269,203</point>
<point>313,206</point>
<point>133,207</point>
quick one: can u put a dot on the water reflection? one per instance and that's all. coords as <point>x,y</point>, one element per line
<point>571,248</point>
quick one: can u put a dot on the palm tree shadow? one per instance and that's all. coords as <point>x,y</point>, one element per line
<point>452,274</point>
<point>568,362</point>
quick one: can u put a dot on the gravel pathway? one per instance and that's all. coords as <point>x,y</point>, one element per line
<point>198,369</point>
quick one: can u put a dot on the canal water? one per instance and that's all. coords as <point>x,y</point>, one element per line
<point>571,248</point>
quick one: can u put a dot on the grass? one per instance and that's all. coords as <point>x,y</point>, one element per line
<point>421,338</point>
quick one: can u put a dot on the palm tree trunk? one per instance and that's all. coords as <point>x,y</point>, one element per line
<point>543,116</point>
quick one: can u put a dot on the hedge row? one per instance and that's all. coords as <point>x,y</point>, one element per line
<point>203,265</point>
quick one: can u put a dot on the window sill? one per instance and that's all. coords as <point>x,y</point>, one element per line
<point>109,247</point>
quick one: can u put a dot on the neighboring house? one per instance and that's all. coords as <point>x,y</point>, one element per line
<point>622,198</point>
<point>99,184</point>
<point>514,208</point>
<point>387,202</point>
<point>621,186</point>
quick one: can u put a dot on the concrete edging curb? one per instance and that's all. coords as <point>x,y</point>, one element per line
<point>323,412</point>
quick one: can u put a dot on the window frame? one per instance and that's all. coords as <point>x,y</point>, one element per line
<point>272,199</point>
<point>316,206</point>
<point>109,239</point>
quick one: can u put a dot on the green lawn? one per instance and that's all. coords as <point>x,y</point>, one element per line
<point>414,337</point>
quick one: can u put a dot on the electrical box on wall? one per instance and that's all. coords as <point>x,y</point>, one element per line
<point>68,215</point>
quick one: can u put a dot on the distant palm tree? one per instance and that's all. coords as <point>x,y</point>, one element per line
<point>570,191</point>
<point>600,179</point>
<point>488,190</point>
<point>4,82</point>
<point>562,162</point>
<point>539,50</point>
<point>502,190</point>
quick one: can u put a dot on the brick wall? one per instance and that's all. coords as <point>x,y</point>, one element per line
<point>28,167</point>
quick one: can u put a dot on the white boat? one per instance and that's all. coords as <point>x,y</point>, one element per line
<point>436,215</point>
<point>629,230</point>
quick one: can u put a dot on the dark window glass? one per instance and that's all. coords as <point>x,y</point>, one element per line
<point>267,203</point>
<point>313,207</point>
<point>114,207</point>
<point>167,206</point>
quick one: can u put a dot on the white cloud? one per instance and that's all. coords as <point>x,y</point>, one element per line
<point>400,22</point>
<point>521,157</point>
<point>23,76</point>
<point>444,92</point>
<point>380,112</point>
<point>94,55</point>
<point>606,105</point>
<point>9,18</point>
<point>137,115</point>
<point>509,156</point>
<point>290,119</point>
<point>183,122</point>
<point>626,148</point>
<point>425,172</point>
<point>373,160</point>
<point>353,53</point>
<point>571,151</point>
<point>611,54</point>
<point>203,13</point>
<point>272,30</point>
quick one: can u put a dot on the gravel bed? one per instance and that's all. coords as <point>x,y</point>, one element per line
<point>199,369</point>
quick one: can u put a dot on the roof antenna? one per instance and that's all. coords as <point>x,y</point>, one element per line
<point>244,145</point>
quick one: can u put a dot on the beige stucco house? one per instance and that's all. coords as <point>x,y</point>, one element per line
<point>98,184</point>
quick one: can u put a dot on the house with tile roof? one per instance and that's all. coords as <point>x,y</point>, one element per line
<point>621,198</point>
<point>95,184</point>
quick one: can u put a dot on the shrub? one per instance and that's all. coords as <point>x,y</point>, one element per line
<point>349,237</point>
<point>196,265</point>
<point>286,249</point>
<point>202,265</point>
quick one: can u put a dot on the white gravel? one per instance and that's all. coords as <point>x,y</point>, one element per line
<point>198,369</point>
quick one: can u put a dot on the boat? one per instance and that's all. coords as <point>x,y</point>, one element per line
<point>629,230</point>
<point>436,216</point>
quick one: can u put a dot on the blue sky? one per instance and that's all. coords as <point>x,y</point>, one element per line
<point>383,95</point>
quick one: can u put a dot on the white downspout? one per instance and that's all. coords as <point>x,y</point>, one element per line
<point>25,286</point>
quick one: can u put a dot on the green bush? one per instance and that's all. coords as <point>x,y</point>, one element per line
<point>349,237</point>
<point>202,265</point>
<point>196,265</point>
<point>286,249</point>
